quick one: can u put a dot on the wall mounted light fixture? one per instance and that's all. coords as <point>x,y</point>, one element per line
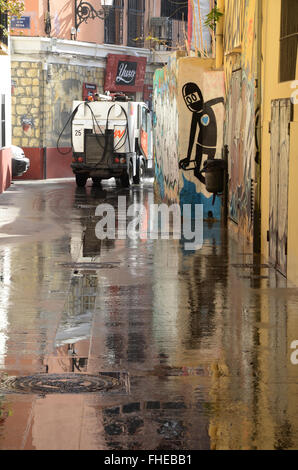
<point>84,11</point>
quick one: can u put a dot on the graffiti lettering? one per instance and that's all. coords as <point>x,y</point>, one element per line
<point>118,134</point>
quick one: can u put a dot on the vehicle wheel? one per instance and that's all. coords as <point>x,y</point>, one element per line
<point>96,181</point>
<point>81,180</point>
<point>142,171</point>
<point>138,179</point>
<point>125,180</point>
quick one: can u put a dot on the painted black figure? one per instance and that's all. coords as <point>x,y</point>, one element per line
<point>204,118</point>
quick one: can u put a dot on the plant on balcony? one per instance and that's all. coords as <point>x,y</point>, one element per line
<point>9,8</point>
<point>213,18</point>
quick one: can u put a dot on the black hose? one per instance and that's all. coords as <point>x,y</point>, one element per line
<point>105,134</point>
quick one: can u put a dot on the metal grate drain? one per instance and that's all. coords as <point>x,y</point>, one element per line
<point>91,265</point>
<point>66,383</point>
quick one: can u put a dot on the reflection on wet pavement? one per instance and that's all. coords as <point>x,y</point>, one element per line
<point>137,344</point>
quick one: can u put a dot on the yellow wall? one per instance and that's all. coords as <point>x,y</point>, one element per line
<point>239,128</point>
<point>271,90</point>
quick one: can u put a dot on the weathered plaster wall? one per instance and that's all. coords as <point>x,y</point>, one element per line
<point>166,130</point>
<point>173,124</point>
<point>234,23</point>
<point>239,133</point>
<point>41,106</point>
<point>5,114</point>
<point>62,17</point>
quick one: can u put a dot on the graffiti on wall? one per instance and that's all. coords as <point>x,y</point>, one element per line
<point>201,133</point>
<point>203,121</point>
<point>240,122</point>
<point>234,18</point>
<point>188,128</point>
<point>166,131</point>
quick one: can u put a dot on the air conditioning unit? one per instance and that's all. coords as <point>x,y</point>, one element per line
<point>161,28</point>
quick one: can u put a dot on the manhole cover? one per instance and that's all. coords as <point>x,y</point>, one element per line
<point>66,383</point>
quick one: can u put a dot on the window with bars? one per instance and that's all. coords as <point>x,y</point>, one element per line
<point>288,40</point>
<point>136,9</point>
<point>177,10</point>
<point>3,24</point>
<point>2,119</point>
<point>114,24</point>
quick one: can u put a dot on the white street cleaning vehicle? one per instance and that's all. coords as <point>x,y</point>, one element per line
<point>111,138</point>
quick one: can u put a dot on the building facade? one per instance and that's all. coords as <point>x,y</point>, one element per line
<point>5,109</point>
<point>255,45</point>
<point>280,136</point>
<point>61,52</point>
<point>260,63</point>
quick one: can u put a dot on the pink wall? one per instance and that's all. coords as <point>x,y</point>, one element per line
<point>63,19</point>
<point>36,19</point>
<point>5,169</point>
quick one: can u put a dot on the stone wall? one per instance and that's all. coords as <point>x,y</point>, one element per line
<point>26,103</point>
<point>42,100</point>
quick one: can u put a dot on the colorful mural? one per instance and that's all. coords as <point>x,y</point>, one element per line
<point>166,131</point>
<point>184,136</point>
<point>240,121</point>
<point>203,119</point>
<point>234,18</point>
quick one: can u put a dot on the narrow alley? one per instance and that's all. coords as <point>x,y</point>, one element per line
<point>137,344</point>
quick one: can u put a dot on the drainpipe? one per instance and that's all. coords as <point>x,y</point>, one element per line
<point>219,36</point>
<point>257,183</point>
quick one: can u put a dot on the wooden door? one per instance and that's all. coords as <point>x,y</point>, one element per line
<point>233,140</point>
<point>281,111</point>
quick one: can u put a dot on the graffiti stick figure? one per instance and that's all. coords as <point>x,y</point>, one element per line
<point>204,119</point>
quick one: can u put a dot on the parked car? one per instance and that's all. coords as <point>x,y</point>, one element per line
<point>20,163</point>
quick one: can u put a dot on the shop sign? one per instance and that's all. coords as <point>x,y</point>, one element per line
<point>125,73</point>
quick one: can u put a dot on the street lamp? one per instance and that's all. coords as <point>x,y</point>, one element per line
<point>85,11</point>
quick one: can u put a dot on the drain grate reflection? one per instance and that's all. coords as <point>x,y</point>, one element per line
<point>60,384</point>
